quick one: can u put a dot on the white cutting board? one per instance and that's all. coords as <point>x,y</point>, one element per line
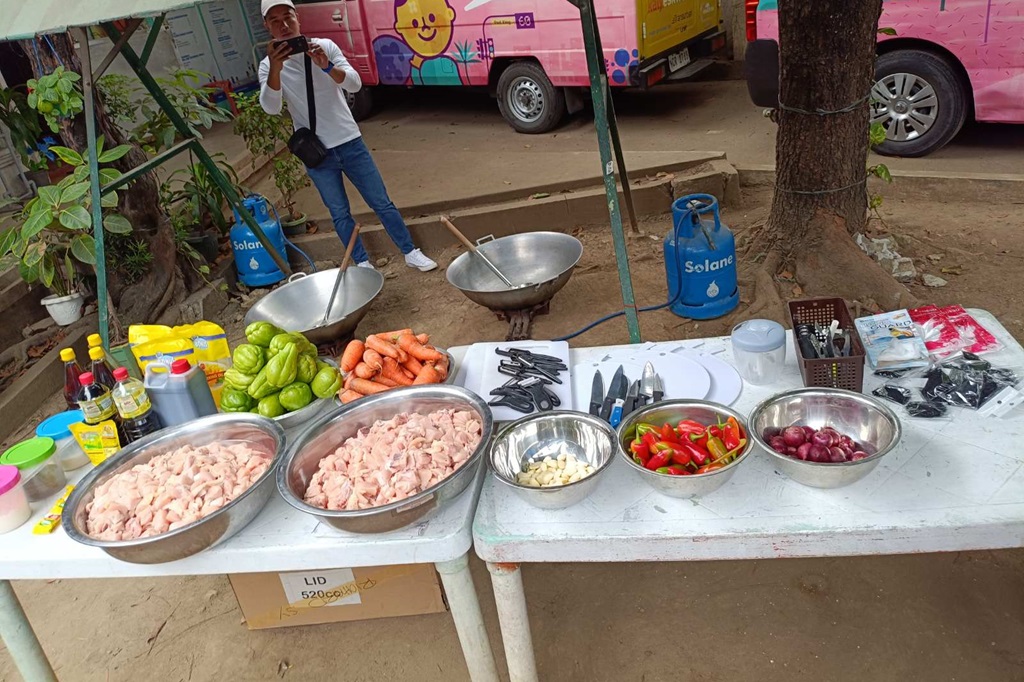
<point>482,375</point>
<point>682,377</point>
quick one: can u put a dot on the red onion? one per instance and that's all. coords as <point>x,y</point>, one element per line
<point>808,432</point>
<point>821,438</point>
<point>777,444</point>
<point>819,453</point>
<point>794,436</point>
<point>771,432</point>
<point>837,455</point>
<point>858,455</point>
<point>804,451</point>
<point>791,451</point>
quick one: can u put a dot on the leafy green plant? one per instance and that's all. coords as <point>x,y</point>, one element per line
<point>56,96</point>
<point>201,199</point>
<point>156,132</point>
<point>264,136</point>
<point>54,232</point>
<point>119,95</point>
<point>21,120</point>
<point>129,256</point>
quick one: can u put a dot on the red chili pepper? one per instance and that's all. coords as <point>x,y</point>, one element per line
<point>650,439</point>
<point>699,457</point>
<point>731,433</point>
<point>700,439</point>
<point>643,429</point>
<point>715,430</point>
<point>641,453</point>
<point>717,448</point>
<point>678,469</point>
<point>660,459</point>
<point>710,467</point>
<point>689,426</point>
<point>681,455</point>
<point>668,434</point>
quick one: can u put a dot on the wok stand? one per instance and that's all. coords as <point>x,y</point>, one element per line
<point>519,321</point>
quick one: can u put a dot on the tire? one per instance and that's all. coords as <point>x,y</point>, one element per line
<point>361,103</point>
<point>528,100</point>
<point>921,101</point>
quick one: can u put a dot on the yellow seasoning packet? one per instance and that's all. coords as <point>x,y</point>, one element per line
<point>51,521</point>
<point>98,441</point>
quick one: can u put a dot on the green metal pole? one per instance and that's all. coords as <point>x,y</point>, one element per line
<point>204,157</point>
<point>94,185</point>
<point>620,158</point>
<point>599,95</point>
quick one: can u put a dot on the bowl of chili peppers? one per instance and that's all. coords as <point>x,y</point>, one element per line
<point>684,448</point>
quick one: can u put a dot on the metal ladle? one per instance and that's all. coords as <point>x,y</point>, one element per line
<point>341,272</point>
<point>476,252</point>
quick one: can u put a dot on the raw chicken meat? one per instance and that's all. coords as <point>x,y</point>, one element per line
<point>394,459</point>
<point>172,490</point>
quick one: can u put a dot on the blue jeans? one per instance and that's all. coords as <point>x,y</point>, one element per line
<point>354,160</point>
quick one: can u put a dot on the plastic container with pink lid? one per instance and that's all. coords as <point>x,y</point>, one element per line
<point>14,507</point>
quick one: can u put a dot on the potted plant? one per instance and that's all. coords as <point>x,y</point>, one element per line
<point>264,137</point>
<point>195,204</point>
<point>52,238</point>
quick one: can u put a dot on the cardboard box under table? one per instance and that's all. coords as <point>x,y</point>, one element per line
<point>335,595</point>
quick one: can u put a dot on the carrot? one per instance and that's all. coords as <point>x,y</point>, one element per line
<point>349,396</point>
<point>392,337</point>
<point>381,346</point>
<point>353,352</point>
<point>394,372</point>
<point>364,371</point>
<point>367,387</point>
<point>413,347</point>
<point>429,375</point>
<point>387,382</point>
<point>348,380</point>
<point>442,367</point>
<point>402,356</point>
<point>423,338</point>
<point>413,365</point>
<point>373,359</point>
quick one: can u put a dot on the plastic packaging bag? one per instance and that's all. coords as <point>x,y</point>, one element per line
<point>965,381</point>
<point>204,344</point>
<point>212,352</point>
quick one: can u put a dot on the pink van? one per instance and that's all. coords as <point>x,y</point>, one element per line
<point>949,59</point>
<point>527,53</point>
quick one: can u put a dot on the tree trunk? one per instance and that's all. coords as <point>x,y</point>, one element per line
<point>827,57</point>
<point>148,298</point>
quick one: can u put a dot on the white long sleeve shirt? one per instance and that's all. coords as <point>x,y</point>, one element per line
<point>334,122</point>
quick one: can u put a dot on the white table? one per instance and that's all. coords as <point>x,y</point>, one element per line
<point>950,485</point>
<point>280,538</point>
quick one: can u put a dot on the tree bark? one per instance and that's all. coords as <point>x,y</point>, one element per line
<point>827,57</point>
<point>147,299</point>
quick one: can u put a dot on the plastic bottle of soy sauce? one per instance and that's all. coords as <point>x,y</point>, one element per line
<point>72,377</point>
<point>137,416</point>
<point>101,369</point>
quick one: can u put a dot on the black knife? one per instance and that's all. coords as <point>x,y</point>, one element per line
<point>617,389</point>
<point>597,394</point>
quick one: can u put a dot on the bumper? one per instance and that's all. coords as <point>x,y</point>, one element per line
<point>701,52</point>
<point>761,70</point>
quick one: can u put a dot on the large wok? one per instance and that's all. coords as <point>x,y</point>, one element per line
<point>542,260</point>
<point>299,305</point>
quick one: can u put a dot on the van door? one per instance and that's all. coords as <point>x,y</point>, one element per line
<point>343,22</point>
<point>665,24</point>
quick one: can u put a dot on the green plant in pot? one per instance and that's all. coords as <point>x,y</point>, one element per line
<point>51,241</point>
<point>196,205</point>
<point>264,137</point>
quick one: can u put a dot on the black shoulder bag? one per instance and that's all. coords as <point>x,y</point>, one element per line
<point>304,143</point>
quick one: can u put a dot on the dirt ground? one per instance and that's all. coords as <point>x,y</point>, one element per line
<point>931,617</point>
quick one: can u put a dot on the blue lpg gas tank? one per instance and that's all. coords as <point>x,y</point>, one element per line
<point>700,260</point>
<point>255,266</point>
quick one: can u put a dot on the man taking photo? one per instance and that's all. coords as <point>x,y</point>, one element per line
<point>282,76</point>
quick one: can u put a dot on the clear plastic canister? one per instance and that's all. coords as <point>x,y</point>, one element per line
<point>58,427</point>
<point>759,347</point>
<point>41,472</point>
<point>14,507</point>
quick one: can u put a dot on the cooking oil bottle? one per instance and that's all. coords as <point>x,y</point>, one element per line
<point>133,405</point>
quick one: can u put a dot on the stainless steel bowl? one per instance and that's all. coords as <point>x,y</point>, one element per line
<point>260,433</point>
<point>299,418</point>
<point>299,304</point>
<point>325,435</point>
<point>543,260</point>
<point>673,411</point>
<point>549,434</point>
<point>861,417</point>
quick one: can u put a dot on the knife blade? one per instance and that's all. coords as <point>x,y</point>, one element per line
<point>659,389</point>
<point>632,399</point>
<point>647,383</point>
<point>597,394</point>
<point>613,392</point>
<point>618,393</point>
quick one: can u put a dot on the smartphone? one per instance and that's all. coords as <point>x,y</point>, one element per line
<point>298,44</point>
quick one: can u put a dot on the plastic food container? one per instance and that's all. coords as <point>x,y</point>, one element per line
<point>41,472</point>
<point>14,509</point>
<point>759,347</point>
<point>57,427</point>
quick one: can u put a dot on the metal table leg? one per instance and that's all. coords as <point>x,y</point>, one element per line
<point>515,623</point>
<point>469,622</point>
<point>20,640</point>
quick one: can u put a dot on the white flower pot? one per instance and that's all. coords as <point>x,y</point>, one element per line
<point>65,310</point>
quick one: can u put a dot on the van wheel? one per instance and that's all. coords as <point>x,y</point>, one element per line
<point>361,103</point>
<point>528,100</point>
<point>920,101</point>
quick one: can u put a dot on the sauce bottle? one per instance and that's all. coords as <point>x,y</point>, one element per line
<point>95,400</point>
<point>72,380</point>
<point>102,372</point>
<point>133,405</point>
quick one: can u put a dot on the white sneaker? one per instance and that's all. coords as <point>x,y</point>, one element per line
<point>366,264</point>
<point>416,259</point>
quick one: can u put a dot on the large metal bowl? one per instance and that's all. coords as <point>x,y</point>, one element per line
<point>544,260</point>
<point>673,411</point>
<point>258,432</point>
<point>861,417</point>
<point>299,305</point>
<point>549,434</point>
<point>325,435</point>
